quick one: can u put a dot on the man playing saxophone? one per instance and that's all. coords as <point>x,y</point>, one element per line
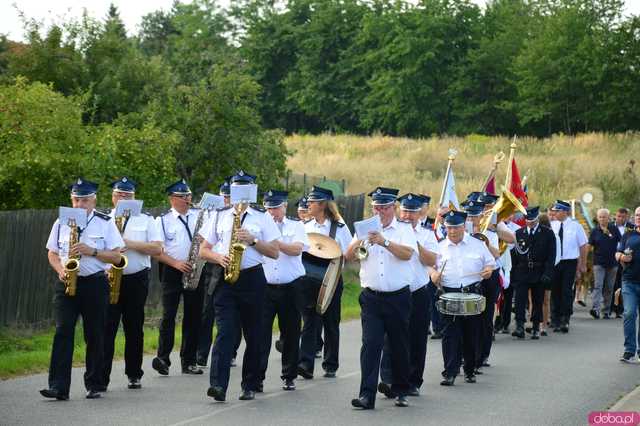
<point>142,240</point>
<point>239,303</point>
<point>98,246</point>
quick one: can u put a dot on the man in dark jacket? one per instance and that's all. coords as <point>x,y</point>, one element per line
<point>533,258</point>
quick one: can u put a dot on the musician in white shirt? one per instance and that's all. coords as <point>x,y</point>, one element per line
<point>386,276</point>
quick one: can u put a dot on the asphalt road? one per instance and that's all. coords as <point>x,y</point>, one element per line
<point>557,380</point>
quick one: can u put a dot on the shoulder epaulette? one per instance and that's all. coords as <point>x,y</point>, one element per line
<point>307,221</point>
<point>297,219</point>
<point>165,213</point>
<point>258,208</point>
<point>221,209</point>
<point>340,224</point>
<point>102,215</point>
<point>103,211</point>
<point>146,212</point>
<point>404,221</point>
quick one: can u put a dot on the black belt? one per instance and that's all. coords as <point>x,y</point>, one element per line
<point>387,293</point>
<point>253,268</point>
<point>281,286</point>
<point>471,288</point>
<point>139,273</point>
<point>92,276</point>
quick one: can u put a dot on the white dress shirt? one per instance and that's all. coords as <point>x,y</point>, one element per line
<point>174,232</point>
<point>285,268</point>
<point>259,224</point>
<point>100,233</point>
<point>343,235</point>
<point>465,261</point>
<point>381,270</point>
<point>142,228</point>
<point>573,237</point>
<point>427,239</point>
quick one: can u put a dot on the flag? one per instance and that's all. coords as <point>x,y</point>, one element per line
<point>450,198</point>
<point>490,186</point>
<point>515,185</point>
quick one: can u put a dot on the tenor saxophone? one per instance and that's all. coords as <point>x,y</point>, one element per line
<point>190,281</point>
<point>72,265</point>
<point>236,248</point>
<point>116,270</point>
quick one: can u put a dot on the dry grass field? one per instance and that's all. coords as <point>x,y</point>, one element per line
<point>556,167</point>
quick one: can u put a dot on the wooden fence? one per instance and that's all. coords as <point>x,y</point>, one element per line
<point>27,280</point>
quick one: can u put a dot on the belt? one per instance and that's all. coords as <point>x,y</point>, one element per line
<point>252,268</point>
<point>141,272</point>
<point>387,293</point>
<point>99,274</point>
<point>283,286</point>
<point>471,288</point>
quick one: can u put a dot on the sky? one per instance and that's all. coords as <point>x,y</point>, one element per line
<point>131,11</point>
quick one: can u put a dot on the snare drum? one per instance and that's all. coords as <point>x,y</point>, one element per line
<point>461,304</point>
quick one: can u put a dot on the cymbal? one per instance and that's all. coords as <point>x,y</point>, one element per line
<point>323,246</point>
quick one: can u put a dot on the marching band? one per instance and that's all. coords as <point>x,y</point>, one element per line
<point>418,276</point>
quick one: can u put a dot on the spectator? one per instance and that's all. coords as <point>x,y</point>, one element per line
<point>604,240</point>
<point>629,256</point>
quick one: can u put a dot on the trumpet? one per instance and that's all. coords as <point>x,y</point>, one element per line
<point>362,251</point>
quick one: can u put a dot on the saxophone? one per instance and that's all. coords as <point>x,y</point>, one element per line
<point>116,270</point>
<point>236,248</point>
<point>72,265</point>
<point>190,281</point>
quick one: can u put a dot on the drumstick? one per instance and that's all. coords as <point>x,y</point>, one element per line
<point>441,272</point>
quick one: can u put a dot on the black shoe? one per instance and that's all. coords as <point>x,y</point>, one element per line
<point>385,389</point>
<point>330,374</point>
<point>363,402</point>
<point>528,330</point>
<point>201,362</point>
<point>191,369</point>
<point>279,345</point>
<point>319,354</point>
<point>544,333</point>
<point>436,336</point>
<point>518,332</point>
<point>401,401</point>
<point>260,387</point>
<point>53,393</point>
<point>564,329</point>
<point>134,383</point>
<point>618,315</point>
<point>216,393</point>
<point>92,394</point>
<point>535,335</point>
<point>448,381</point>
<point>628,358</point>
<point>160,366</point>
<point>606,316</point>
<point>288,385</point>
<point>477,372</point>
<point>470,378</point>
<point>581,303</point>
<point>413,391</point>
<point>304,373</point>
<point>594,314</point>
<point>233,362</point>
<point>247,395</point>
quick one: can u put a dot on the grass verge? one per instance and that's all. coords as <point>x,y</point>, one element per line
<point>25,352</point>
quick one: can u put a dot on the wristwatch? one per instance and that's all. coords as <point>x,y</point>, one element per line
<point>254,242</point>
<point>95,252</point>
<point>387,243</point>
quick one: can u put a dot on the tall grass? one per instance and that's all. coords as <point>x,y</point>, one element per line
<point>556,167</point>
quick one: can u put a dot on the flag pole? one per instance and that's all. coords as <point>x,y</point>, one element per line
<point>512,154</point>
<point>497,159</point>
<point>452,157</point>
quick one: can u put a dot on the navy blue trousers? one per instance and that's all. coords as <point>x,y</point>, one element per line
<point>91,302</point>
<point>238,306</point>
<point>313,323</point>
<point>460,339</point>
<point>562,292</point>
<point>418,326</point>
<point>436,317</point>
<point>490,290</point>
<point>384,314</point>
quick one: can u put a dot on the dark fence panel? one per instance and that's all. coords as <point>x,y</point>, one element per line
<point>27,280</point>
